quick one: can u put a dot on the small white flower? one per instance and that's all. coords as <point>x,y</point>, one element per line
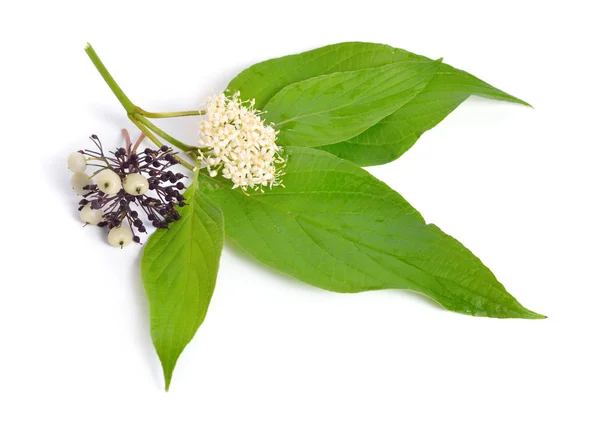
<point>236,142</point>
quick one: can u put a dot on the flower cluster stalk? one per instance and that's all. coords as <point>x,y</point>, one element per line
<point>138,116</point>
<point>168,114</point>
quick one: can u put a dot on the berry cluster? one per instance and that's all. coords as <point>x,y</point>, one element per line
<point>119,189</point>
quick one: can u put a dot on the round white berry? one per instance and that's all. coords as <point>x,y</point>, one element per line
<point>90,216</point>
<point>135,184</point>
<point>78,181</point>
<point>108,182</point>
<point>76,162</point>
<point>120,237</point>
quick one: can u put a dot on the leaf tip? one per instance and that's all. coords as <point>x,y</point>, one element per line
<point>514,99</point>
<point>168,367</point>
<point>522,102</point>
<point>168,374</point>
<point>533,315</point>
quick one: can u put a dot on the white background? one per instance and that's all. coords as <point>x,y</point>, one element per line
<point>518,186</point>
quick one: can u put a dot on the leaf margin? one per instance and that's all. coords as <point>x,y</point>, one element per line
<point>218,188</point>
<point>193,195</point>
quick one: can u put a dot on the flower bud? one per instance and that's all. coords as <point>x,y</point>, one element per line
<point>135,184</point>
<point>90,216</point>
<point>79,181</point>
<point>108,182</point>
<point>120,237</point>
<point>76,162</point>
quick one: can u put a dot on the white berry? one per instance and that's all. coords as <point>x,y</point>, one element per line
<point>76,162</point>
<point>120,237</point>
<point>78,181</point>
<point>135,184</point>
<point>108,182</point>
<point>90,216</point>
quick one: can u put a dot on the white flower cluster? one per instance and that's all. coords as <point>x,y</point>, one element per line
<point>237,143</point>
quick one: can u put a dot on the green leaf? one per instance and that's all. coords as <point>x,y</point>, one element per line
<point>336,227</point>
<point>398,132</point>
<point>179,270</point>
<point>392,136</point>
<point>336,107</point>
<point>263,80</point>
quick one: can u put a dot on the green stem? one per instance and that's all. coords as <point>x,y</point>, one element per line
<point>127,104</point>
<point>166,136</point>
<point>100,169</point>
<point>147,114</point>
<point>157,142</point>
<point>135,114</point>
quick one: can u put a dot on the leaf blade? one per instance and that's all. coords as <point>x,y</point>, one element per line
<point>263,80</point>
<point>392,136</point>
<point>397,133</point>
<point>336,107</point>
<point>179,271</point>
<point>336,227</point>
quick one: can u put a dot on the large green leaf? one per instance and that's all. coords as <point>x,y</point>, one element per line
<point>392,136</point>
<point>336,107</point>
<point>337,227</point>
<point>396,133</point>
<point>263,80</point>
<point>179,270</point>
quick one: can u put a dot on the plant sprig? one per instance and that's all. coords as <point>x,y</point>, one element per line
<point>309,120</point>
